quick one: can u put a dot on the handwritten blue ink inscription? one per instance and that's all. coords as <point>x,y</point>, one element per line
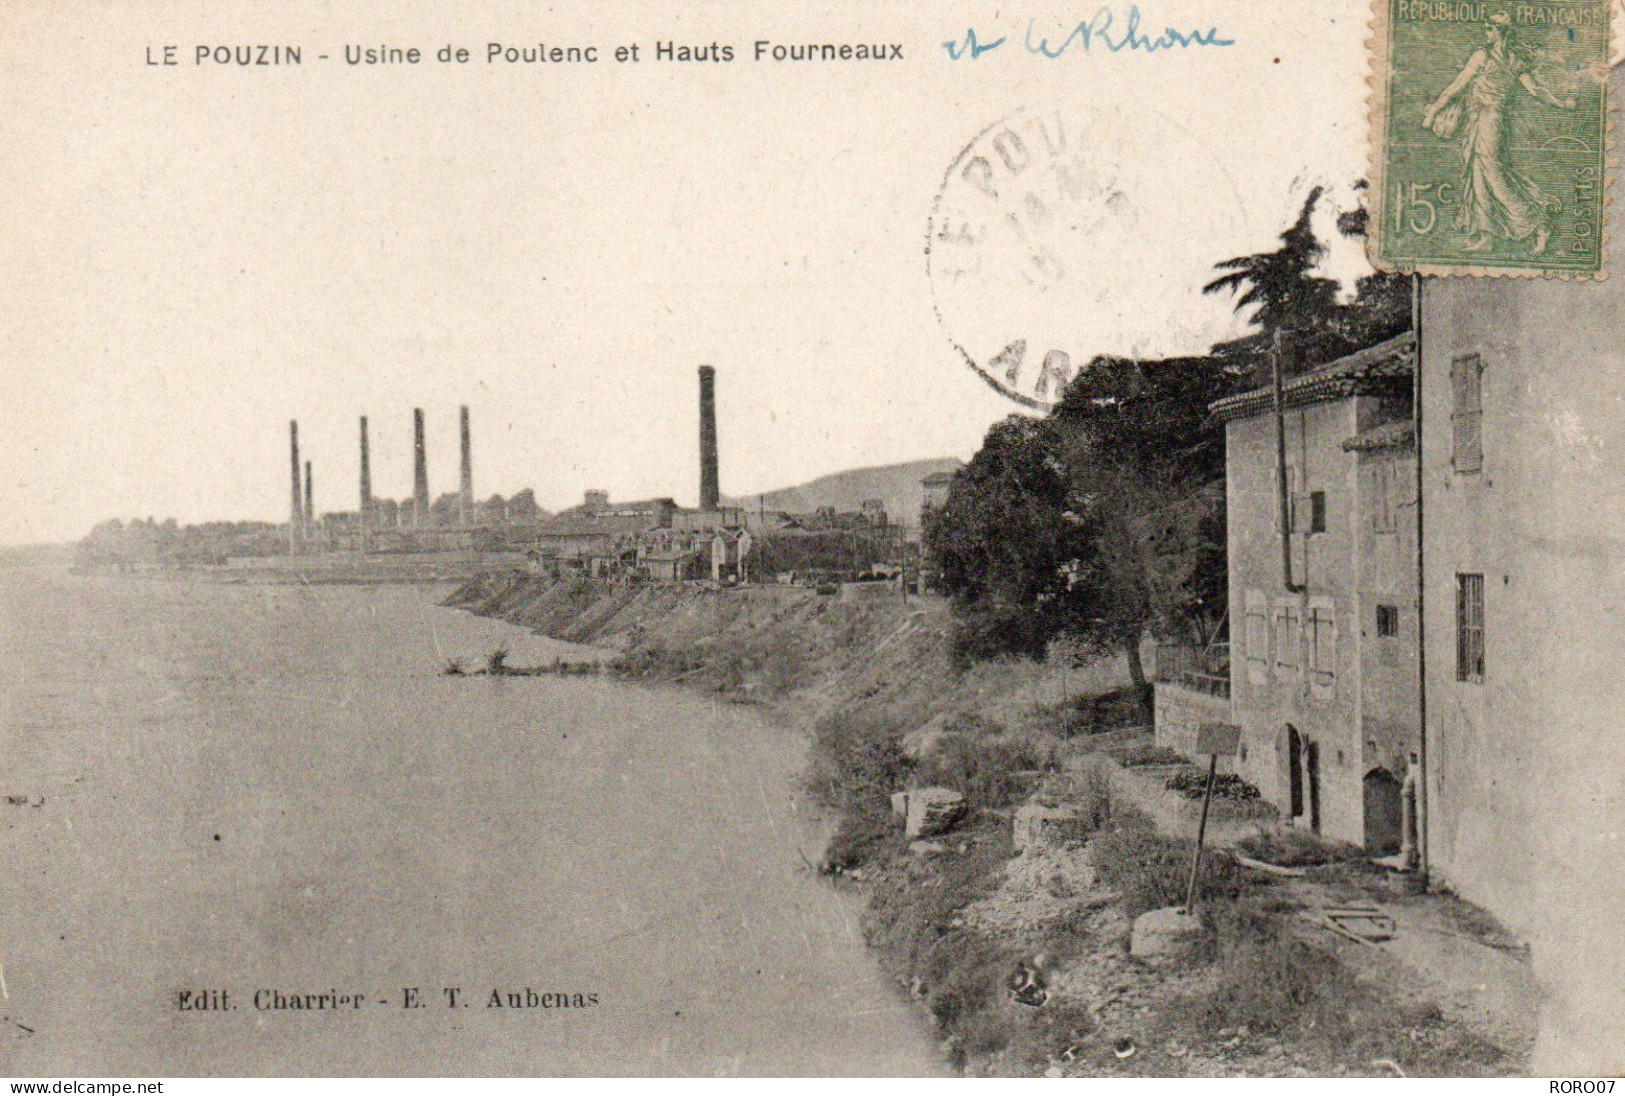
<point>1101,29</point>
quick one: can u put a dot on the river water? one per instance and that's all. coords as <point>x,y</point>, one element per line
<point>263,788</point>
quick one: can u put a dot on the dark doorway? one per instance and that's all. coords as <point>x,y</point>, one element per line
<point>1311,763</point>
<point>1384,812</point>
<point>1294,768</point>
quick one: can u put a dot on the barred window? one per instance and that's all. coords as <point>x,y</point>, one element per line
<point>1470,628</point>
<point>1467,413</point>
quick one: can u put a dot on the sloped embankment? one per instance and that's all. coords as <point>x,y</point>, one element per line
<point>883,657</point>
<point>1021,955</point>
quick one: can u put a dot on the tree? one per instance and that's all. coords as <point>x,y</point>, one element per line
<point>1145,494</point>
<point>1000,540</point>
<point>1292,303</point>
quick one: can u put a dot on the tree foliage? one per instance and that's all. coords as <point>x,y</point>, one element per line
<point>1000,540</point>
<point>1105,520</point>
<point>1292,304</point>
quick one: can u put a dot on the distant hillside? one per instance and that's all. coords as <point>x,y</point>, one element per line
<point>897,485</point>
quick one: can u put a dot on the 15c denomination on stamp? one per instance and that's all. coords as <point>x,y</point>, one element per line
<point>1489,136</point>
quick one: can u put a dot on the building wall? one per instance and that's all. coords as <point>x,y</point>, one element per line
<point>1274,684</point>
<point>1179,712</point>
<point>1386,565</point>
<point>1526,769</point>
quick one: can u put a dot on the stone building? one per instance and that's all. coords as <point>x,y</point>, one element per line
<point>1322,613</point>
<point>1523,457</point>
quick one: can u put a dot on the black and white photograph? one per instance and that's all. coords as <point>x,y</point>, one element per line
<point>794,540</point>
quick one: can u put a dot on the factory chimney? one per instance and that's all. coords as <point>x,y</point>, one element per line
<point>420,471</point>
<point>365,516</point>
<point>310,504</point>
<point>710,494</point>
<point>296,512</point>
<point>465,497</point>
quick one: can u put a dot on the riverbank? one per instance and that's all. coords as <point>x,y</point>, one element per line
<point>246,788</point>
<point>1021,955</point>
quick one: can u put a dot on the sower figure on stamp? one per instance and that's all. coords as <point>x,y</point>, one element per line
<point>1497,200</point>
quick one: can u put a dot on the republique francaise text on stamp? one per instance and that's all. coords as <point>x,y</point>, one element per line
<point>1489,136</point>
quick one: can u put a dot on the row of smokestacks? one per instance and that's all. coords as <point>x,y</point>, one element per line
<point>302,508</point>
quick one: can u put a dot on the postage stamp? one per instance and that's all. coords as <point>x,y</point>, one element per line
<point>1489,137</point>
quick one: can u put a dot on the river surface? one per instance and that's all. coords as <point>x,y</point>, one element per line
<point>274,788</point>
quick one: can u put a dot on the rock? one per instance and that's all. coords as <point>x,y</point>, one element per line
<point>932,811</point>
<point>925,738</point>
<point>1164,936</point>
<point>899,804</point>
<point>927,848</point>
<point>1054,1071</point>
<point>1037,826</point>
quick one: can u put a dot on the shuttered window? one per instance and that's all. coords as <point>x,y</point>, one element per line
<point>1469,627</point>
<point>1467,413</point>
<point>1256,636</point>
<point>1322,635</point>
<point>1384,489</point>
<point>1287,638</point>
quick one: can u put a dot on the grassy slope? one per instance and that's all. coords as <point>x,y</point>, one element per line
<point>950,927</point>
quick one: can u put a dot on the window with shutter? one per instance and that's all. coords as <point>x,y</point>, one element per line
<point>1302,513</point>
<point>1287,639</point>
<point>1383,488</point>
<point>1470,628</point>
<point>1467,413</point>
<point>1321,634</point>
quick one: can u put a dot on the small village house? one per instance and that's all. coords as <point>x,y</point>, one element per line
<point>1322,604</point>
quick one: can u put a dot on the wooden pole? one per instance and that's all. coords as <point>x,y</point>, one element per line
<point>1201,835</point>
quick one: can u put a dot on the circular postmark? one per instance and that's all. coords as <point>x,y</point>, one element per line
<point>1063,234</point>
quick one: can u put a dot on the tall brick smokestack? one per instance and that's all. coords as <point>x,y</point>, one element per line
<point>365,515</point>
<point>310,503</point>
<point>465,495</point>
<point>296,511</point>
<point>420,470</point>
<point>710,494</point>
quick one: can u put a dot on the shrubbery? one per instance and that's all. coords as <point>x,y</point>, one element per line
<point>1150,871</point>
<point>855,763</point>
<point>983,765</point>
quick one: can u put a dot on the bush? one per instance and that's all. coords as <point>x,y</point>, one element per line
<point>1192,784</point>
<point>1296,849</point>
<point>860,837</point>
<point>981,634</point>
<point>1271,985</point>
<point>914,919</point>
<point>908,914</point>
<point>855,763</point>
<point>983,767</point>
<point>1113,711</point>
<point>1150,871</point>
<point>1152,755</point>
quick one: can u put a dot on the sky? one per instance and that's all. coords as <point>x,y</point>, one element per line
<point>195,255</point>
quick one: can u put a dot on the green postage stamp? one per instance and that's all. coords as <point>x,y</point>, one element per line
<point>1489,138</point>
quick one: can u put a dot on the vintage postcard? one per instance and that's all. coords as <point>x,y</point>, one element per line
<point>834,538</point>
